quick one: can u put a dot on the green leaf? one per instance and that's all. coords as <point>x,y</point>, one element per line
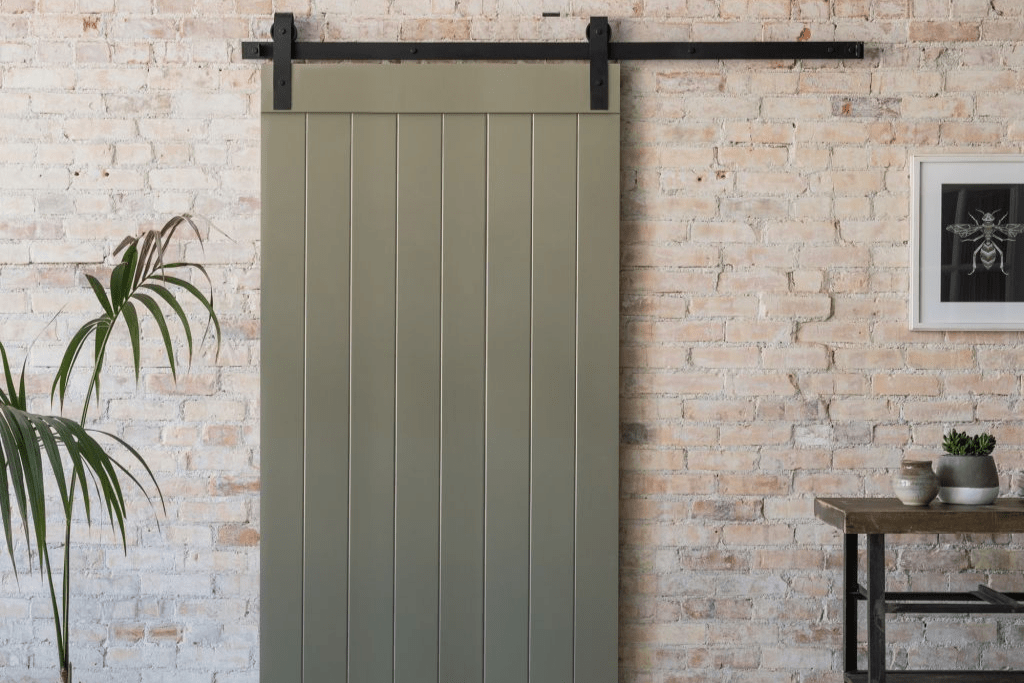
<point>195,292</point>
<point>32,471</point>
<point>12,393</point>
<point>131,319</point>
<point>53,453</point>
<point>15,447</point>
<point>158,315</point>
<point>67,363</point>
<point>169,297</point>
<point>7,448</point>
<point>101,295</point>
<point>118,291</point>
<point>138,457</point>
<point>150,256</point>
<point>131,258</point>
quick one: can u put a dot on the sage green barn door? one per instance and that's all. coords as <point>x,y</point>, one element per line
<point>439,376</point>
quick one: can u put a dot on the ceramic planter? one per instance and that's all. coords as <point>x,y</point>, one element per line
<point>915,484</point>
<point>967,479</point>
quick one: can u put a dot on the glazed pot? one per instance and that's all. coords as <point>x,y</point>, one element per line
<point>967,479</point>
<point>915,484</point>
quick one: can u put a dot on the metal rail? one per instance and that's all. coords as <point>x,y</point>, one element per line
<point>598,50</point>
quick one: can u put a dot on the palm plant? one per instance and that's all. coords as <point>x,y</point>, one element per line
<point>29,441</point>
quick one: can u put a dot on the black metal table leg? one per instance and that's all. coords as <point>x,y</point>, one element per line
<point>876,608</point>
<point>850,588</point>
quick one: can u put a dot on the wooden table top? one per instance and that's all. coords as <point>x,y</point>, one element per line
<point>890,516</point>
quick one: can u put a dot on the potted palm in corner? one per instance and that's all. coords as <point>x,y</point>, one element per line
<point>38,450</point>
<point>967,472</point>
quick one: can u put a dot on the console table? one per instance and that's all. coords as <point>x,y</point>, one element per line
<point>876,517</point>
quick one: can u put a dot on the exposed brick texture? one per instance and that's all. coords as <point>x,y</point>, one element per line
<point>765,355</point>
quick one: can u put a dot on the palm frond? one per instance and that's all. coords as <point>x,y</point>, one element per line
<point>28,441</point>
<point>141,272</point>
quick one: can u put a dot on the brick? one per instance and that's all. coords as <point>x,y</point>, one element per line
<point>734,208</point>
<point>142,28</point>
<point>718,411</point>
<point>948,107</point>
<point>756,256</point>
<point>973,81</point>
<point>791,408</point>
<point>807,281</point>
<point>754,281</point>
<point>66,253</point>
<point>970,133</point>
<point>933,411</point>
<point>831,332</point>
<point>675,255</point>
<point>747,157</point>
<point>802,232</point>
<point>860,409</point>
<point>764,385</point>
<point>757,331</point>
<point>998,359</point>
<point>905,385</point>
<point>757,535</point>
<point>734,357</point>
<point>755,434</point>
<point>809,356</point>
<point>981,385</point>
<point>674,383</point>
<point>907,82</point>
<point>722,232</point>
<point>944,31</point>
<point>723,306</point>
<point>1001,30</point>
<point>940,358</point>
<point>689,82</point>
<point>803,307</point>
<point>868,358</point>
<point>873,231</point>
<point>869,107</point>
<point>824,82</point>
<point>770,183</point>
<point>111,79</point>
<point>999,104</point>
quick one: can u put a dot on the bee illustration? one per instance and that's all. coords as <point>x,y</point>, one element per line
<point>987,228</point>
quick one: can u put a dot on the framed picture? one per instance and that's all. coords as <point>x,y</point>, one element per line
<point>967,242</point>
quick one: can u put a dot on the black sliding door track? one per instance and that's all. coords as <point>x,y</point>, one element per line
<point>598,50</point>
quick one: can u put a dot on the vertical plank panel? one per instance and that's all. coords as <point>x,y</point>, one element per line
<point>554,399</point>
<point>462,399</point>
<point>327,351</point>
<point>371,512</point>
<point>597,376</point>
<point>417,480</point>
<point>507,599</point>
<point>281,394</point>
<point>473,487</point>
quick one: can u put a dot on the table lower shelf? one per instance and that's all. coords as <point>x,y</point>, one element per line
<point>942,677</point>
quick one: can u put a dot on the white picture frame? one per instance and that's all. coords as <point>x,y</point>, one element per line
<point>967,265</point>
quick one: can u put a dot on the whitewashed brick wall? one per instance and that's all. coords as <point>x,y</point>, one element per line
<point>765,352</point>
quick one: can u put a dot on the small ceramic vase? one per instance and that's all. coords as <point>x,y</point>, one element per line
<point>915,484</point>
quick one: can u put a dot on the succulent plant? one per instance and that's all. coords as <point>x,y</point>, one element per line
<point>961,443</point>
